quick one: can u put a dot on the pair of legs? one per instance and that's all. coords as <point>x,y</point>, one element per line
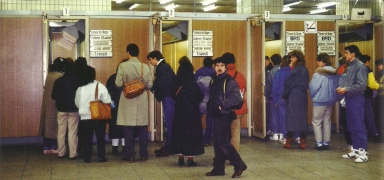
<point>91,127</point>
<point>129,151</point>
<point>208,129</point>
<point>235,132</point>
<point>70,121</point>
<point>168,112</point>
<point>321,122</point>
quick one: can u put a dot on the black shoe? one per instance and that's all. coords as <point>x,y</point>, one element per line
<point>103,159</point>
<point>191,163</point>
<point>215,173</point>
<point>130,160</point>
<point>162,154</point>
<point>181,162</point>
<point>61,157</point>
<point>160,150</point>
<point>87,160</point>
<point>325,147</point>
<point>73,158</point>
<point>239,172</point>
<point>144,158</point>
<point>320,148</point>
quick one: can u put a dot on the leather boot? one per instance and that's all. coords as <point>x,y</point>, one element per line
<point>287,144</point>
<point>302,143</point>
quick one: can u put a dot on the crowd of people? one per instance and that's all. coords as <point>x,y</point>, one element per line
<point>216,90</point>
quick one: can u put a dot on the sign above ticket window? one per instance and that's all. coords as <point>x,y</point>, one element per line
<point>100,43</point>
<point>294,41</point>
<point>326,42</point>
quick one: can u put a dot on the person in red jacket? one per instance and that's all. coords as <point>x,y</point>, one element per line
<point>240,79</point>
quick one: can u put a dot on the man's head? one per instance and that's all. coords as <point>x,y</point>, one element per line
<point>379,64</point>
<point>154,57</point>
<point>267,61</point>
<point>220,65</point>
<point>229,57</point>
<point>365,59</point>
<point>276,59</point>
<point>351,53</point>
<point>208,61</point>
<point>132,50</point>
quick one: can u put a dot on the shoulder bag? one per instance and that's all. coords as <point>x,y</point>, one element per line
<point>134,88</point>
<point>100,110</point>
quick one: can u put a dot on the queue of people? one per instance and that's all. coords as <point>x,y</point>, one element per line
<point>218,92</point>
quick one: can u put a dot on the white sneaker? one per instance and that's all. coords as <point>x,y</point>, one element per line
<point>362,156</point>
<point>297,140</point>
<point>274,137</point>
<point>353,154</point>
<point>283,141</point>
<point>269,133</point>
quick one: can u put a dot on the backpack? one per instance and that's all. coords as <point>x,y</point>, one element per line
<point>238,106</point>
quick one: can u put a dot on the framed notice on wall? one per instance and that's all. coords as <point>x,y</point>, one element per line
<point>326,42</point>
<point>202,43</point>
<point>100,43</point>
<point>294,41</point>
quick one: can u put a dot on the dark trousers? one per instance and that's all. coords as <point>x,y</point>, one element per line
<point>129,137</point>
<point>369,116</point>
<point>223,148</point>
<point>168,112</point>
<point>97,127</point>
<point>343,123</point>
<point>355,120</point>
<point>208,129</point>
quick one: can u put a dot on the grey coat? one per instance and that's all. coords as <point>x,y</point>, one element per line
<point>133,112</point>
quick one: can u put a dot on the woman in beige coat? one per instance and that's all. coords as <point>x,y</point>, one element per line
<point>133,113</point>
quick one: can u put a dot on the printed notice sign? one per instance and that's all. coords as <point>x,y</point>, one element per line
<point>326,42</point>
<point>100,43</point>
<point>294,41</point>
<point>202,43</point>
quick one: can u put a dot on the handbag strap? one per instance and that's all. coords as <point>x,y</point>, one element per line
<point>141,74</point>
<point>178,90</point>
<point>97,92</point>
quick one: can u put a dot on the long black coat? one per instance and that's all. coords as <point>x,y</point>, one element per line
<point>295,93</point>
<point>187,132</point>
<point>115,131</point>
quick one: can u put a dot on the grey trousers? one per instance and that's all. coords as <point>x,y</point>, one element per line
<point>321,122</point>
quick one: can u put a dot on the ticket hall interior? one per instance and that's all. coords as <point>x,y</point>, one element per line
<point>34,33</point>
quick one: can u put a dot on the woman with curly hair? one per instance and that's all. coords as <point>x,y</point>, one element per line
<point>295,93</point>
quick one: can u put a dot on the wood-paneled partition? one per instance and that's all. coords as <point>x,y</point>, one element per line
<point>378,34</point>
<point>257,80</point>
<point>21,80</point>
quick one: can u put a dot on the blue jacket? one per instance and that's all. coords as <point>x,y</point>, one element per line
<point>355,78</point>
<point>322,88</point>
<point>278,83</point>
<point>269,81</point>
<point>203,78</point>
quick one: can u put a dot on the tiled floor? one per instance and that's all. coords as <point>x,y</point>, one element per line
<point>265,160</point>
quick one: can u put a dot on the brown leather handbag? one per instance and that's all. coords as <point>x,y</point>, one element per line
<point>100,110</point>
<point>134,88</point>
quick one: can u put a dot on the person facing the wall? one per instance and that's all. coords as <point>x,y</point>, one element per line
<point>322,91</point>
<point>164,81</point>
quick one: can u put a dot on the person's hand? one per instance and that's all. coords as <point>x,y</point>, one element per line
<point>220,108</point>
<point>341,90</point>
<point>276,105</point>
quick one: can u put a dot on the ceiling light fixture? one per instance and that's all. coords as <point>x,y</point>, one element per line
<point>119,1</point>
<point>210,7</point>
<point>134,6</point>
<point>318,11</point>
<point>292,4</point>
<point>171,6</point>
<point>327,4</point>
<point>285,9</point>
<point>164,1</point>
<point>208,2</point>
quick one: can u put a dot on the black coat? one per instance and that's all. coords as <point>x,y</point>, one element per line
<point>64,92</point>
<point>164,81</point>
<point>115,132</point>
<point>187,132</point>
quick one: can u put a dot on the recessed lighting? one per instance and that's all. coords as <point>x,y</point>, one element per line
<point>134,6</point>
<point>318,11</point>
<point>292,4</point>
<point>164,1</point>
<point>208,2</point>
<point>210,7</point>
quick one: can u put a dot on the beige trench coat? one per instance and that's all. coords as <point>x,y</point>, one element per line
<point>48,118</point>
<point>133,112</point>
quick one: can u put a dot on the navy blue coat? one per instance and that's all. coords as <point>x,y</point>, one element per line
<point>164,81</point>
<point>296,95</point>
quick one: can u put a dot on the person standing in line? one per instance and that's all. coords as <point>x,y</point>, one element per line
<point>187,132</point>
<point>133,113</point>
<point>277,91</point>
<point>84,95</point>
<point>273,117</point>
<point>64,92</point>
<point>115,132</point>
<point>203,77</point>
<point>240,79</point>
<point>164,81</point>
<point>224,94</point>
<point>48,121</point>
<point>322,90</point>
<point>295,93</point>
<point>372,85</point>
<point>352,86</point>
<point>379,101</point>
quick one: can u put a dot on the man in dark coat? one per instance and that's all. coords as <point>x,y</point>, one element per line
<point>224,94</point>
<point>162,85</point>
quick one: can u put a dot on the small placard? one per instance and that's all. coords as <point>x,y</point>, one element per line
<point>310,26</point>
<point>171,13</point>
<point>65,11</point>
<point>267,15</point>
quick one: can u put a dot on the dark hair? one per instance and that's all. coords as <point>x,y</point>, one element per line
<point>353,49</point>
<point>185,70</point>
<point>155,54</point>
<point>364,58</point>
<point>88,76</point>
<point>299,55</point>
<point>81,62</point>
<point>229,57</point>
<point>220,60</point>
<point>324,57</point>
<point>266,57</point>
<point>59,64</point>
<point>133,49</point>
<point>208,61</point>
<point>285,61</point>
<point>69,68</point>
<point>378,62</point>
<point>276,59</point>
<point>342,60</point>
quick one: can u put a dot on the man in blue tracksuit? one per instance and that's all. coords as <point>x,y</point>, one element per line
<point>352,85</point>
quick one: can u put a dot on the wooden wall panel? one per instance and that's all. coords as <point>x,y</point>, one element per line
<point>257,87</point>
<point>21,82</point>
<point>228,36</point>
<point>378,31</point>
<point>124,32</point>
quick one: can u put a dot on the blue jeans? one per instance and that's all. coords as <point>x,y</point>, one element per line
<point>274,117</point>
<point>208,129</point>
<point>168,112</point>
<point>355,120</point>
<point>281,123</point>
